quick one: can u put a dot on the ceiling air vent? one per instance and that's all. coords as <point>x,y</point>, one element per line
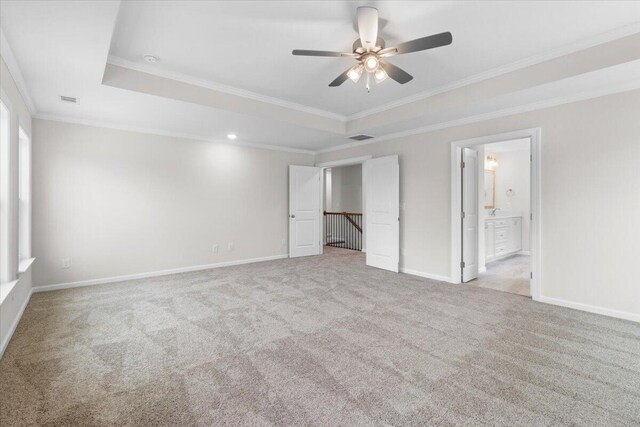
<point>68,99</point>
<point>360,137</point>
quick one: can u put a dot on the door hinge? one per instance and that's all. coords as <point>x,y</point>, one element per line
<point>531,275</point>
<point>462,215</point>
<point>462,264</point>
<point>531,157</point>
<point>531,216</point>
<point>462,164</point>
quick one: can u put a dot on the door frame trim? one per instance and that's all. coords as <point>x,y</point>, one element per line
<point>334,164</point>
<point>535,134</point>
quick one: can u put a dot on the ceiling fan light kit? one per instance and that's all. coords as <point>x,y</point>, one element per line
<point>355,72</point>
<point>380,75</point>
<point>370,50</point>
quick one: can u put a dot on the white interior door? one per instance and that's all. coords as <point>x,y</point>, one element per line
<point>304,211</point>
<point>382,212</point>
<point>469,170</point>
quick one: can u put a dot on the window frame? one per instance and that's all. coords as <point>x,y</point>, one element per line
<point>6,127</point>
<point>24,195</point>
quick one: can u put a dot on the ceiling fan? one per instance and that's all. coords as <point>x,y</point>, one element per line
<point>370,52</point>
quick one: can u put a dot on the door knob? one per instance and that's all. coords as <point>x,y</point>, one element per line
<point>292,216</point>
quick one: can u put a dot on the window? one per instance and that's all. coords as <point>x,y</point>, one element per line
<point>5,137</point>
<point>24,196</point>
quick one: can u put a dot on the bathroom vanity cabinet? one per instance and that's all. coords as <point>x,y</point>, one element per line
<point>503,236</point>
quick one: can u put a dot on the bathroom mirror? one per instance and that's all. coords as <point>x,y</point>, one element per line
<point>489,189</point>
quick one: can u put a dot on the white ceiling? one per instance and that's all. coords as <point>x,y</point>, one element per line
<point>61,48</point>
<point>248,44</point>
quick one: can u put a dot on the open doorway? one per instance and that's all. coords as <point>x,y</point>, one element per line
<point>495,212</point>
<point>504,253</point>
<point>343,225</point>
<point>371,226</point>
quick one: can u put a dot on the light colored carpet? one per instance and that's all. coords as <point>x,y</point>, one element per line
<point>314,341</point>
<point>507,275</point>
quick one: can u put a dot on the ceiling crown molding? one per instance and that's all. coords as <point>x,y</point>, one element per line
<point>14,69</point>
<point>518,109</point>
<point>566,50</point>
<point>514,66</point>
<point>160,132</point>
<point>120,62</point>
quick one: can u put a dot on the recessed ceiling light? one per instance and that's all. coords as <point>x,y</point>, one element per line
<point>232,136</point>
<point>150,58</point>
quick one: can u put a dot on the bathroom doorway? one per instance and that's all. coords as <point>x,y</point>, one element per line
<point>504,206</point>
<point>495,197</point>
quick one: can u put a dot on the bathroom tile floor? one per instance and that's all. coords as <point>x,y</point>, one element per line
<point>507,275</point>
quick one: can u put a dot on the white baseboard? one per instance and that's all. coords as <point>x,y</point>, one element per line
<point>426,275</point>
<point>524,253</point>
<point>482,270</point>
<point>115,279</point>
<point>14,325</point>
<point>591,308</point>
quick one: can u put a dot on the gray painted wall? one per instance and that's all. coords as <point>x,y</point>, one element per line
<point>346,189</point>
<point>590,197</point>
<point>119,203</point>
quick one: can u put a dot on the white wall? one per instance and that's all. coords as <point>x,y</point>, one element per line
<point>513,172</point>
<point>346,188</point>
<point>590,198</point>
<point>120,203</point>
<point>13,302</point>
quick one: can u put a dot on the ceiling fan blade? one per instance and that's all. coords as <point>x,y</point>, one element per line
<point>424,43</point>
<point>299,52</point>
<point>385,53</point>
<point>340,79</point>
<point>368,26</point>
<point>396,73</point>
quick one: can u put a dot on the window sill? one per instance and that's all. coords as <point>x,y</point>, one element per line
<point>5,289</point>
<point>24,265</point>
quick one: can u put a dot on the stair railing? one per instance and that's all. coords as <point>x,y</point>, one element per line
<point>343,230</point>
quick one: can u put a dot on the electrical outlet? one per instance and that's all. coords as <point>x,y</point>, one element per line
<point>230,247</point>
<point>214,249</point>
<point>66,262</point>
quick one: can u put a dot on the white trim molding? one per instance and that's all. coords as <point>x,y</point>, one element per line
<point>552,102</point>
<point>14,69</point>
<point>634,317</point>
<point>514,66</point>
<point>14,325</point>
<point>208,84</point>
<point>344,162</point>
<point>339,163</point>
<point>135,276</point>
<point>535,136</point>
<point>9,287</point>
<point>511,111</point>
<point>152,131</point>
<point>437,277</point>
